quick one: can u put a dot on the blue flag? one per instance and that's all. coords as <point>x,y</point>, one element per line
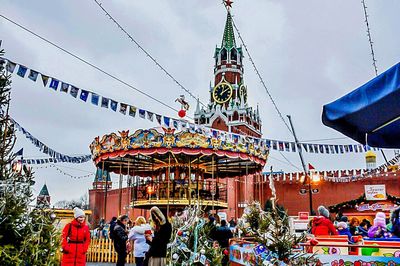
<point>167,121</point>
<point>113,105</point>
<point>20,152</point>
<point>84,95</point>
<point>54,84</point>
<point>95,99</point>
<point>22,71</point>
<point>142,113</point>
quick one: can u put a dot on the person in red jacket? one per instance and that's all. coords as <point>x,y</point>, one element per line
<point>75,240</point>
<point>322,225</point>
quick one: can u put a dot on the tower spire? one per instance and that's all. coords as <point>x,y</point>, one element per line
<point>228,40</point>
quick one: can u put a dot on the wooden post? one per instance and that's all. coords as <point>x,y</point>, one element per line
<point>106,190</point>
<point>169,177</point>
<point>120,189</point>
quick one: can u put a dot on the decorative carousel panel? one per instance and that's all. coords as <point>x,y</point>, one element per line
<point>147,151</point>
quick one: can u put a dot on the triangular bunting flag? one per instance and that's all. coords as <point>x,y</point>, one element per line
<point>22,71</point>
<point>95,99</point>
<point>84,95</point>
<point>132,110</point>
<point>74,91</point>
<point>45,79</point>
<point>104,102</point>
<point>150,116</point>
<point>113,105</point>
<point>167,121</point>
<point>142,113</point>
<point>64,87</point>
<point>10,66</point>
<point>54,83</point>
<point>122,108</point>
<point>158,118</point>
<point>33,75</point>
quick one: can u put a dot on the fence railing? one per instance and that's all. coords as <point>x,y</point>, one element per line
<point>102,250</point>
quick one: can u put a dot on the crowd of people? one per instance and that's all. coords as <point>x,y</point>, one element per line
<point>381,227</point>
<point>147,240</point>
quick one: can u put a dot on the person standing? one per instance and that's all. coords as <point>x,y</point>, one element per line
<point>120,238</point>
<point>222,235</point>
<point>136,234</point>
<point>158,244</point>
<point>113,222</point>
<point>322,225</point>
<point>75,240</point>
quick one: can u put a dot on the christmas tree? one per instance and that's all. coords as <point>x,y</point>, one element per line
<point>27,235</point>
<point>192,243</point>
<point>270,229</point>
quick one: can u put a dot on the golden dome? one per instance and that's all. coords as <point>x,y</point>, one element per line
<point>370,154</point>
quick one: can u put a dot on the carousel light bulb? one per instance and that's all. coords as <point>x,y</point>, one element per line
<point>172,176</point>
<point>193,177</point>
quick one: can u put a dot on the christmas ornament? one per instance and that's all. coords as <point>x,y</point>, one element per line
<point>226,252</point>
<point>180,233</point>
<point>181,113</point>
<point>175,256</point>
<point>202,251</point>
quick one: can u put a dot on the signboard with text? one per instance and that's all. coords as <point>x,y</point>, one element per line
<point>375,192</point>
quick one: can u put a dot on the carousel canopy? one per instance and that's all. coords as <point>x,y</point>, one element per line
<point>370,113</point>
<point>145,152</point>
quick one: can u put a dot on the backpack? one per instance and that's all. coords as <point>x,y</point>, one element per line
<point>112,226</point>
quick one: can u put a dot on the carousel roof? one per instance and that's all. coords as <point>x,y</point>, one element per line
<point>149,150</point>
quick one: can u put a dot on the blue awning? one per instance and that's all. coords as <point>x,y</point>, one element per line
<point>370,112</point>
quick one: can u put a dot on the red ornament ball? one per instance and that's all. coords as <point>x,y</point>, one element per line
<point>226,252</point>
<point>180,233</point>
<point>182,113</point>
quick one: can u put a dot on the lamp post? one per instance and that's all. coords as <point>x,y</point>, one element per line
<point>302,162</point>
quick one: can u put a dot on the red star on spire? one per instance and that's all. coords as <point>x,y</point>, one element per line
<point>228,3</point>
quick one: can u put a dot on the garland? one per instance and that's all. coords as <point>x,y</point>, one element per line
<point>105,102</point>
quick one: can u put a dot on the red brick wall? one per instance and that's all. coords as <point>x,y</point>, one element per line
<point>330,193</point>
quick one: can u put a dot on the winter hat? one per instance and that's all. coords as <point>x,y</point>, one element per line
<point>344,219</point>
<point>157,215</point>
<point>342,224</point>
<point>78,212</point>
<point>323,211</point>
<point>380,219</point>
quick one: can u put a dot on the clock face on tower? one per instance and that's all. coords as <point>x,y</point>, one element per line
<point>222,92</point>
<point>243,92</point>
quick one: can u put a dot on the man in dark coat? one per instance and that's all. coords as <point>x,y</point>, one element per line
<point>222,235</point>
<point>113,223</point>
<point>120,237</point>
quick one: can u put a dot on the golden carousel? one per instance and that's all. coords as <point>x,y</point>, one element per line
<point>171,169</point>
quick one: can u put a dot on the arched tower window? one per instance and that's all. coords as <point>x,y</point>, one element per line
<point>233,54</point>
<point>235,116</point>
<point>224,54</point>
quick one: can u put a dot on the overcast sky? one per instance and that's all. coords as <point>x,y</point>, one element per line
<point>309,53</point>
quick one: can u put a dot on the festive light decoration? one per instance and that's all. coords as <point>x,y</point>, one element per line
<point>191,244</point>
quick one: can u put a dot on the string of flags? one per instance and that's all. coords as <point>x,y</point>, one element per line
<point>65,173</point>
<point>340,176</point>
<point>166,121</point>
<point>54,155</point>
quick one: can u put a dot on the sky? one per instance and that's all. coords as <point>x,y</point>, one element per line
<point>308,52</point>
